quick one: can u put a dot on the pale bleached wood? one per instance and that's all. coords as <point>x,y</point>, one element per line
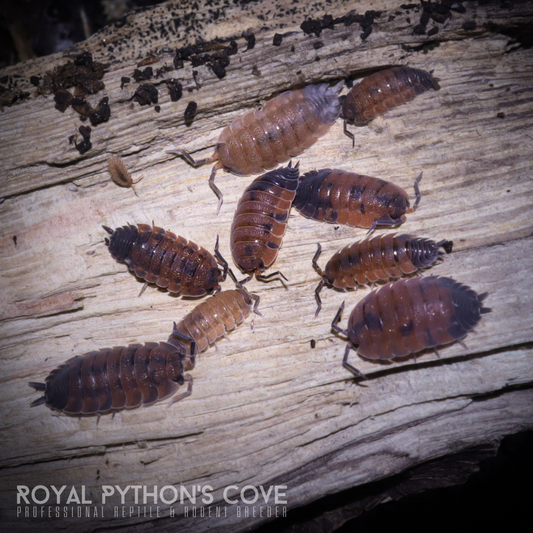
<point>266,408</point>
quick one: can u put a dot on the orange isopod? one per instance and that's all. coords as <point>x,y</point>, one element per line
<point>380,258</point>
<point>266,137</point>
<point>261,219</point>
<point>166,259</point>
<point>381,91</point>
<point>116,378</point>
<point>341,197</point>
<point>408,316</point>
<point>212,319</point>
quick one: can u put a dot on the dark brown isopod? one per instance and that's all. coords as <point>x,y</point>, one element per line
<point>380,258</point>
<point>408,316</point>
<point>381,91</point>
<point>341,197</point>
<point>116,378</point>
<point>261,219</point>
<point>166,259</point>
<point>212,319</point>
<point>266,137</point>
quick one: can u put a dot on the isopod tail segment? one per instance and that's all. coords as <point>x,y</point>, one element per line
<point>349,345</point>
<point>41,387</point>
<point>386,220</point>
<point>212,159</point>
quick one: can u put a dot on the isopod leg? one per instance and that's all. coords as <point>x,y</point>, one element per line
<point>188,392</point>
<point>256,304</point>
<point>350,367</point>
<point>385,220</point>
<point>135,183</point>
<point>271,277</point>
<point>224,264</point>
<point>336,319</point>
<point>215,189</point>
<point>190,160</point>
<point>245,280</point>
<point>190,340</point>
<point>417,192</point>
<point>349,134</point>
<point>315,259</point>
<point>196,164</point>
<point>142,290</point>
<point>321,284</point>
<point>317,296</point>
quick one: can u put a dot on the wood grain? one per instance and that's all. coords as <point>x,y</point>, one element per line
<point>266,407</point>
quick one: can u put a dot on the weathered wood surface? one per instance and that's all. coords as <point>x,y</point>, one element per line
<point>266,408</point>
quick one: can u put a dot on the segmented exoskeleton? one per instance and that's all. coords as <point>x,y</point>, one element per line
<point>116,378</point>
<point>166,259</point>
<point>381,91</point>
<point>380,258</point>
<point>266,137</point>
<point>212,319</point>
<point>341,197</point>
<point>408,316</point>
<point>261,218</point>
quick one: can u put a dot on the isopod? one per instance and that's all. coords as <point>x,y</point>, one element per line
<point>381,91</point>
<point>341,197</point>
<point>116,378</point>
<point>120,174</point>
<point>380,258</point>
<point>261,218</point>
<point>266,137</point>
<point>166,259</point>
<point>408,316</point>
<point>212,319</point>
